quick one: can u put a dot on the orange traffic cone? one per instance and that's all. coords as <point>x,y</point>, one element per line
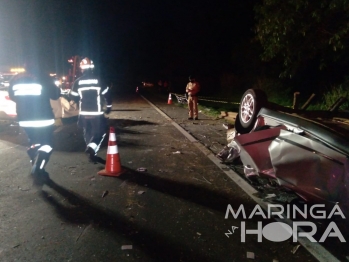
<point>169,101</point>
<point>113,166</point>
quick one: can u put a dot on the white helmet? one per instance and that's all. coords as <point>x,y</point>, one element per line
<point>86,63</point>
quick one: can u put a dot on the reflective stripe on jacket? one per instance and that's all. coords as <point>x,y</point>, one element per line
<point>88,90</point>
<point>32,96</point>
<point>37,123</point>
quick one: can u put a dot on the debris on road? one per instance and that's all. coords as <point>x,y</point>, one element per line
<point>141,169</point>
<point>207,180</point>
<point>123,183</point>
<point>141,192</point>
<point>105,193</point>
<point>23,189</point>
<point>202,180</point>
<point>250,255</point>
<point>270,196</point>
<point>227,126</point>
<point>177,152</point>
<point>87,227</point>
<point>294,250</point>
<point>126,247</point>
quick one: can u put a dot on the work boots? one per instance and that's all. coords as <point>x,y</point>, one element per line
<point>39,163</point>
<point>32,152</point>
<point>91,154</point>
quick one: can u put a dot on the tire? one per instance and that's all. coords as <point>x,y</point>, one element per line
<point>251,102</point>
<point>238,127</point>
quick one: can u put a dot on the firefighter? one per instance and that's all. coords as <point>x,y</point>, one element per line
<point>87,90</point>
<point>32,91</point>
<point>192,89</point>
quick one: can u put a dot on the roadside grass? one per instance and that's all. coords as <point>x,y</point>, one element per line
<point>332,95</point>
<point>213,109</point>
<point>325,100</point>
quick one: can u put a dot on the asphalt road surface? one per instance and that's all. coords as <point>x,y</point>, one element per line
<point>174,211</point>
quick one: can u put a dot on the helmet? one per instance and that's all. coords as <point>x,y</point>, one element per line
<point>86,63</point>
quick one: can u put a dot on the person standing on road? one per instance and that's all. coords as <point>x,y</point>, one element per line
<point>192,89</point>
<point>87,90</point>
<point>32,91</point>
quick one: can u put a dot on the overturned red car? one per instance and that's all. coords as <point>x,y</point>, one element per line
<point>302,151</point>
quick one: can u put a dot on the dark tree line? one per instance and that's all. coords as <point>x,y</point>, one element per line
<point>308,39</point>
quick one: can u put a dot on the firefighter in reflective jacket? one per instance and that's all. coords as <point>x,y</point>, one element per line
<point>32,91</point>
<point>192,89</point>
<point>87,90</point>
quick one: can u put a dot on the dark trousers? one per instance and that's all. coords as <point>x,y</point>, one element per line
<point>94,128</point>
<point>37,138</point>
<point>39,135</point>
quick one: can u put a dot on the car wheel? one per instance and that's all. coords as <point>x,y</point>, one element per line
<point>238,127</point>
<point>251,102</point>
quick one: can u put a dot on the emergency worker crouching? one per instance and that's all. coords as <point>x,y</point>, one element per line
<point>32,91</point>
<point>192,89</point>
<point>87,90</point>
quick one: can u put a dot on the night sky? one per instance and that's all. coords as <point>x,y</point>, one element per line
<point>126,39</point>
